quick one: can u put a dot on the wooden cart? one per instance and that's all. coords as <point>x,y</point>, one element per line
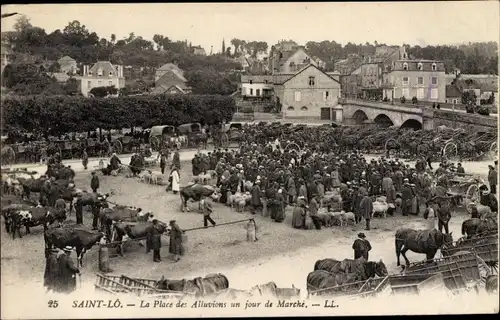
<point>123,284</point>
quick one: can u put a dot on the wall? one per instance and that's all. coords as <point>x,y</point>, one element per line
<point>245,88</point>
<point>463,120</point>
<point>396,78</point>
<point>85,88</point>
<point>311,96</point>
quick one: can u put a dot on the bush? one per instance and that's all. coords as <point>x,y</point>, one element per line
<point>414,100</point>
<point>386,99</point>
<point>57,115</point>
<point>402,99</point>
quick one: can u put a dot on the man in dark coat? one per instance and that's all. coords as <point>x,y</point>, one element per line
<point>313,212</point>
<point>492,179</point>
<point>67,271</point>
<point>444,216</point>
<point>85,159</point>
<point>155,237</point>
<point>361,247</point>
<point>163,162</point>
<point>114,162</point>
<point>489,199</point>
<point>366,208</point>
<point>176,161</point>
<point>256,195</point>
<point>175,245</point>
<point>94,182</point>
<point>51,275</point>
<point>407,196</point>
<point>207,209</point>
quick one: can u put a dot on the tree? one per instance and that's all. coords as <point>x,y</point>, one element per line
<point>491,99</point>
<point>102,92</point>
<point>22,23</point>
<point>468,97</point>
<point>238,46</point>
<point>55,67</point>
<point>209,81</point>
<point>256,47</point>
<point>72,87</point>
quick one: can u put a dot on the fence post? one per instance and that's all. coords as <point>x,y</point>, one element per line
<point>104,259</point>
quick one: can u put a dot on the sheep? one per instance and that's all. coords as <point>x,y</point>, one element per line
<point>325,217</point>
<point>337,217</point>
<point>380,207</point>
<point>349,216</point>
<point>145,176</point>
<point>156,176</point>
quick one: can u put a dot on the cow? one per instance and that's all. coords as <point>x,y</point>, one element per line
<point>133,231</point>
<point>32,185</point>
<point>78,236</point>
<point>121,213</point>
<point>34,216</point>
<point>59,189</point>
<point>96,201</point>
<point>195,192</point>
<point>10,209</point>
<point>60,172</point>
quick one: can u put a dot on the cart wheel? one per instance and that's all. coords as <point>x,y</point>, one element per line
<point>292,146</point>
<point>450,151</point>
<point>494,147</point>
<point>117,146</point>
<point>155,143</point>
<point>387,142</point>
<point>8,155</point>
<point>472,195</point>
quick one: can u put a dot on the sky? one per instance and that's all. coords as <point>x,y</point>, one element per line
<point>206,24</point>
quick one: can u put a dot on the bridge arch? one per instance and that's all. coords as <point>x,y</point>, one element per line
<point>412,124</point>
<point>359,116</point>
<point>384,120</point>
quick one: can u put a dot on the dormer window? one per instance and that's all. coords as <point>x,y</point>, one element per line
<point>99,72</point>
<point>265,81</point>
<point>110,73</point>
<point>434,67</point>
<point>90,73</point>
<point>420,66</point>
<point>405,66</point>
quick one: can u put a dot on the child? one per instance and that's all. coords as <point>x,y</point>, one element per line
<point>251,228</point>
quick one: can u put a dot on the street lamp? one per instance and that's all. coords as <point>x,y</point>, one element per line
<point>6,15</point>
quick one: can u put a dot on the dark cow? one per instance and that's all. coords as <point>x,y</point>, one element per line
<point>121,213</point>
<point>57,190</point>
<point>96,201</point>
<point>200,287</point>
<point>194,192</point>
<point>32,185</point>
<point>133,231</point>
<point>78,236</point>
<point>474,226</point>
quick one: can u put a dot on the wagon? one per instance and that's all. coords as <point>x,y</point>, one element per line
<point>485,246</point>
<point>365,288</point>
<point>123,284</point>
<point>194,133</point>
<point>461,271</point>
<point>125,144</point>
<point>467,186</point>
<point>160,135</point>
<point>411,284</point>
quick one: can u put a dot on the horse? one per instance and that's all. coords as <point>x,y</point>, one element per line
<point>364,269</point>
<point>420,241</point>
<point>200,287</point>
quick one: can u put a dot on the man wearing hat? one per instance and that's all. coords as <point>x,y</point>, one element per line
<point>67,271</point>
<point>94,182</point>
<point>51,275</point>
<point>175,245</point>
<point>176,160</point>
<point>488,199</point>
<point>361,247</point>
<point>207,209</point>
<point>154,239</point>
<point>407,196</point>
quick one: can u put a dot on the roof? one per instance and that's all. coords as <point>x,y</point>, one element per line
<point>60,76</point>
<point>177,73</point>
<point>452,92</point>
<point>162,89</point>
<point>66,59</point>
<point>106,67</point>
<point>256,79</point>
<point>170,66</point>
<point>311,66</point>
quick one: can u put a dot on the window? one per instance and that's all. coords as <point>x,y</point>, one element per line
<point>420,80</point>
<point>110,73</point>
<point>110,83</point>
<point>99,72</point>
<point>292,64</point>
<point>90,73</point>
<point>405,93</point>
<point>297,96</point>
<point>434,93</point>
<point>420,66</point>
<point>434,80</point>
<point>404,56</point>
<point>290,108</point>
<point>257,92</point>
<point>405,66</point>
<point>325,95</point>
<point>420,93</point>
<point>265,81</point>
<point>406,81</point>
<point>89,84</point>
<point>251,92</point>
<point>251,81</point>
<point>311,81</point>
<point>99,83</point>
<point>304,108</point>
<point>434,67</point>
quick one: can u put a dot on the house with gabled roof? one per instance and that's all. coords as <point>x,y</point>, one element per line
<point>67,65</point>
<point>101,74</point>
<point>310,93</point>
<point>291,61</point>
<point>170,79</point>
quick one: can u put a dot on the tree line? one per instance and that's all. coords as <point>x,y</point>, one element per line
<point>57,115</point>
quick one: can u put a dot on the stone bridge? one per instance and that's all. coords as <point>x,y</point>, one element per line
<point>411,116</point>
